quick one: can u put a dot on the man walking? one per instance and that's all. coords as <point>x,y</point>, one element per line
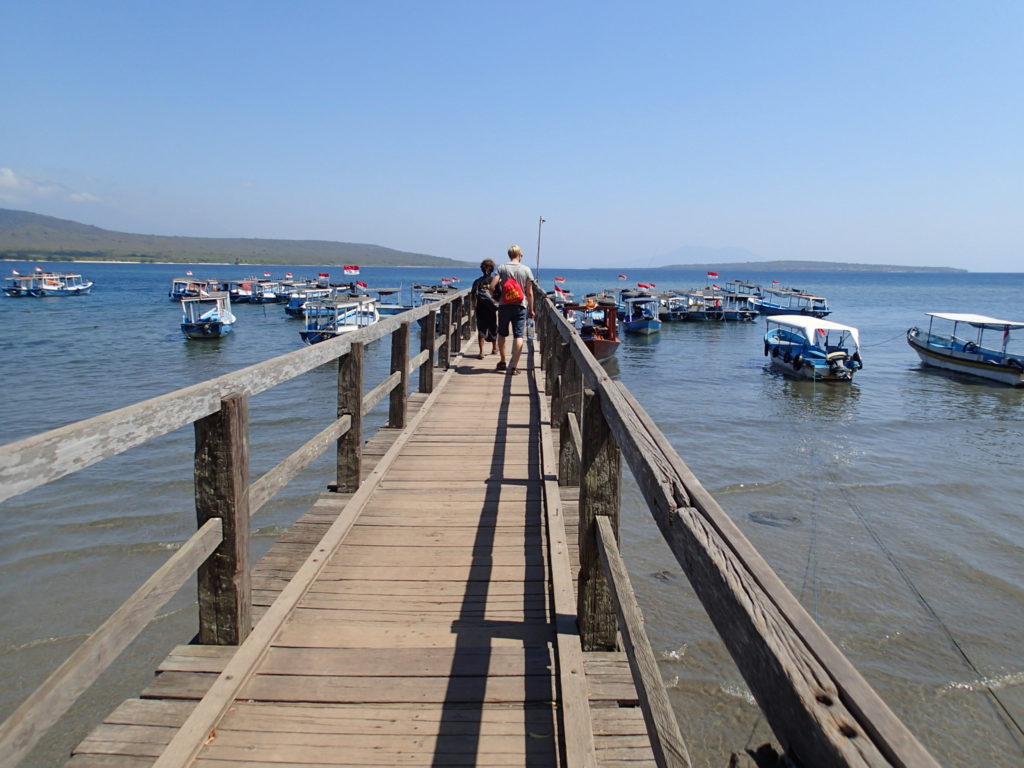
<point>514,306</point>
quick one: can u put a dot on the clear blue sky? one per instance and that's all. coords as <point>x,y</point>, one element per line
<point>879,132</point>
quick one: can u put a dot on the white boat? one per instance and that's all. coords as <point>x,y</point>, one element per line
<point>62,284</point>
<point>954,351</point>
<point>208,316</point>
<point>329,318</point>
<point>812,348</point>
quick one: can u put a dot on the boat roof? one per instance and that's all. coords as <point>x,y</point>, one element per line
<point>978,321</point>
<point>810,325</point>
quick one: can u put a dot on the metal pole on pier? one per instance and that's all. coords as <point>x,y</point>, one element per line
<point>540,222</point>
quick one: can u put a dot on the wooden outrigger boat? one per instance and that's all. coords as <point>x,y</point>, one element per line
<point>208,316</point>
<point>952,352</point>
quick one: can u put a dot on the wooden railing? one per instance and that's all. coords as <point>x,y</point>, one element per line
<point>821,710</point>
<point>225,499</point>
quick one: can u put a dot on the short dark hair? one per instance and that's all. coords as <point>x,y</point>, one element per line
<point>487,266</point>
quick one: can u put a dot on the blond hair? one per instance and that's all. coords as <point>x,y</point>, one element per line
<point>515,252</point>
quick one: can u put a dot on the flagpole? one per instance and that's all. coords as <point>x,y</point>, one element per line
<point>540,221</point>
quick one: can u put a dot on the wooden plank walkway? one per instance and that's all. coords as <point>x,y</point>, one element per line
<point>428,637</point>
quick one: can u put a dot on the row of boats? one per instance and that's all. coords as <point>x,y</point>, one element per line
<point>39,284</point>
<point>804,345</point>
<point>327,309</point>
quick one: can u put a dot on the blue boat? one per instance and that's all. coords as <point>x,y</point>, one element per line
<point>638,313</point>
<point>389,301</point>
<point>58,284</point>
<point>328,318</point>
<point>300,297</point>
<point>20,286</point>
<point>207,317</point>
<point>812,348</point>
<point>791,301</point>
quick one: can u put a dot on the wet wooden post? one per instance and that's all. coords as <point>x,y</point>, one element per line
<point>222,491</point>
<point>446,331</point>
<point>350,403</point>
<point>398,406</point>
<point>600,494</point>
<point>570,406</point>
<point>427,326</point>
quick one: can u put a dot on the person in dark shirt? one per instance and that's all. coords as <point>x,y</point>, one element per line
<point>486,308</point>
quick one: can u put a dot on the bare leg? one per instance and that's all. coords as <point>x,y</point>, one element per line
<point>517,349</point>
<point>501,347</point>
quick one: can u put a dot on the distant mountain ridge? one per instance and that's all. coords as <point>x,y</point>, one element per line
<point>26,235</point>
<point>805,266</point>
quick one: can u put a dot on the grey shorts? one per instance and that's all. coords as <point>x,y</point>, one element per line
<point>514,315</point>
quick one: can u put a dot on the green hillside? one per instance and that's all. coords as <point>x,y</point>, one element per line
<point>31,236</point>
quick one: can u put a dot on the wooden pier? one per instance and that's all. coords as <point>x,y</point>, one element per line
<point>456,598</point>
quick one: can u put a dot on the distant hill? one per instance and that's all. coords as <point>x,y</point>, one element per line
<point>804,266</point>
<point>32,236</point>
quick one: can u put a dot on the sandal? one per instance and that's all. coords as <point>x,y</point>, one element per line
<point>513,371</point>
<point>501,366</point>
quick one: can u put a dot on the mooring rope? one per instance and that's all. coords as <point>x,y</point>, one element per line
<point>1008,718</point>
<point>900,335</point>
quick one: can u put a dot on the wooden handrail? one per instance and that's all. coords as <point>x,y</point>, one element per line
<point>820,708</point>
<point>43,708</point>
<point>36,461</point>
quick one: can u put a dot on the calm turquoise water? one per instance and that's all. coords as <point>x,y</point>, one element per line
<point>892,507</point>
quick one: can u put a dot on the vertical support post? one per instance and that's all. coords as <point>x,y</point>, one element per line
<point>398,407</point>
<point>350,403</point>
<point>600,494</point>
<point>222,490</point>
<point>446,331</point>
<point>570,401</point>
<point>465,315</point>
<point>427,327</point>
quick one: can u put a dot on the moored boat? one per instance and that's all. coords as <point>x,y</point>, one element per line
<point>953,352</point>
<point>596,322</point>
<point>330,317</point>
<point>62,284</point>
<point>192,287</point>
<point>18,286</point>
<point>638,313</point>
<point>208,316</point>
<point>791,301</point>
<point>812,348</point>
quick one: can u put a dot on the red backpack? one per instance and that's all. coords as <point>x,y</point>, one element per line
<point>511,291</point>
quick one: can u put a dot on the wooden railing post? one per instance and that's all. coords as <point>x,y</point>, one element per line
<point>222,491</point>
<point>399,404</point>
<point>446,331</point>
<point>570,400</point>
<point>350,403</point>
<point>465,315</point>
<point>427,327</point>
<point>600,494</point>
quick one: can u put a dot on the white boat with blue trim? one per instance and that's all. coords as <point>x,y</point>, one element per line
<point>208,316</point>
<point>961,347</point>
<point>812,348</point>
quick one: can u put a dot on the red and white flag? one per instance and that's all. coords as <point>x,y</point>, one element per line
<point>716,286</point>
<point>351,269</point>
<point>822,332</point>
<point>188,273</point>
<point>559,279</point>
<point>712,274</point>
<point>39,269</point>
<point>288,275</point>
<point>323,274</point>
<point>266,274</point>
<point>623,277</point>
<point>775,282</point>
<point>559,289</point>
<point>446,280</point>
<point>643,285</point>
<point>455,279</point>
<point>360,283</point>
<point>15,272</point>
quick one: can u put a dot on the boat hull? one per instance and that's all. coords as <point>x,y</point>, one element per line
<point>966,363</point>
<point>645,327</point>
<point>806,369</point>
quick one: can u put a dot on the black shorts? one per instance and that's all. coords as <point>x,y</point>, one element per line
<point>487,321</point>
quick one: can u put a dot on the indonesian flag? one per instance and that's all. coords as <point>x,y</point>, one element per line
<point>716,286</point>
<point>652,285</point>
<point>559,290</point>
<point>775,282</point>
<point>712,274</point>
<point>39,269</point>
<point>266,274</point>
<point>351,269</point>
<point>623,277</point>
<point>15,272</point>
<point>288,275</point>
<point>188,273</point>
<point>323,274</point>
<point>559,279</point>
<point>454,279</point>
<point>644,285</point>
<point>822,332</point>
<point>446,280</point>
<point>360,283</point>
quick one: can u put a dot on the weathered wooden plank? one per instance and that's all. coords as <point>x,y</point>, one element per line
<point>48,703</point>
<point>222,492</point>
<point>350,403</point>
<point>398,405</point>
<point>665,739</point>
<point>328,634</point>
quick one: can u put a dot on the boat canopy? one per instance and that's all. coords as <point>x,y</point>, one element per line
<point>978,321</point>
<point>809,326</point>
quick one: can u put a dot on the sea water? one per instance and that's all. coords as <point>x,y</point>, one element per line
<point>891,507</point>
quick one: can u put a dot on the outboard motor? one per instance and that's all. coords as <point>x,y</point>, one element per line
<point>837,364</point>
